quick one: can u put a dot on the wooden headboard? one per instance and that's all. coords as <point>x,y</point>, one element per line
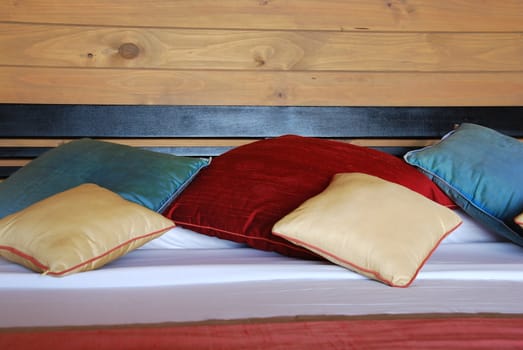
<point>201,76</point>
<point>28,130</point>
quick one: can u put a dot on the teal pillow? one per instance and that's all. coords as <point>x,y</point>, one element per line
<point>482,171</point>
<point>151,179</point>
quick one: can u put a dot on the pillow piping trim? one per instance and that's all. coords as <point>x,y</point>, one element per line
<point>45,268</point>
<point>459,191</point>
<point>24,256</point>
<point>473,204</point>
<point>434,174</point>
<point>376,274</point>
<point>167,201</point>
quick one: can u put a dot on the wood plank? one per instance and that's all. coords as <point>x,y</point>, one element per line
<point>149,87</point>
<point>136,142</point>
<point>13,162</point>
<point>207,142</point>
<point>334,15</point>
<point>83,46</point>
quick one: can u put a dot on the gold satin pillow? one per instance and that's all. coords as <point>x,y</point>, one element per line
<point>519,220</point>
<point>77,230</point>
<point>372,226</point>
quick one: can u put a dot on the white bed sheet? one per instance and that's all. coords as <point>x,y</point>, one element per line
<point>166,285</point>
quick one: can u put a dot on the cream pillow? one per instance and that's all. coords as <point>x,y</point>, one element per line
<point>77,230</point>
<point>375,227</point>
<point>519,220</point>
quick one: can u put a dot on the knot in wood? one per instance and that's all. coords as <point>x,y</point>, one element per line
<point>129,50</point>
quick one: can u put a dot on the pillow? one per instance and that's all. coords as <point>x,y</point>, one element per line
<point>375,227</point>
<point>151,179</point>
<point>182,238</point>
<point>77,230</point>
<point>480,169</point>
<point>519,220</point>
<point>243,192</point>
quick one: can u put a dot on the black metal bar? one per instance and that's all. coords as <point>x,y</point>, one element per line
<point>22,120</point>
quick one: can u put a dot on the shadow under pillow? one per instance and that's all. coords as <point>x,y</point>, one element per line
<point>519,220</point>
<point>245,191</point>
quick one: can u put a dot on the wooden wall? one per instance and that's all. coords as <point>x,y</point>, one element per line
<point>262,52</point>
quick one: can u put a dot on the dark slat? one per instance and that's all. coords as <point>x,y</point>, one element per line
<point>215,151</point>
<point>21,152</point>
<point>241,121</point>
<point>5,171</point>
<point>30,152</point>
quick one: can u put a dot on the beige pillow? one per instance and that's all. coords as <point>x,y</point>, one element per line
<point>519,220</point>
<point>77,230</point>
<point>377,228</point>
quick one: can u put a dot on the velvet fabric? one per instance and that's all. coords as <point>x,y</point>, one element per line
<point>244,192</point>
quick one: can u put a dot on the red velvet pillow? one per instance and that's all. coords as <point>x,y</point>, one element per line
<point>245,191</point>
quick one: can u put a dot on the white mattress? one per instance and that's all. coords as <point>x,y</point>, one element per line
<point>169,285</point>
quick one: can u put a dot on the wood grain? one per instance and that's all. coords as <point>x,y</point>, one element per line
<point>116,86</point>
<point>80,46</point>
<point>263,52</point>
<point>136,142</point>
<point>13,162</point>
<point>333,15</point>
<point>210,142</point>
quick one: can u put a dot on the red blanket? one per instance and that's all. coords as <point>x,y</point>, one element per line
<point>369,332</point>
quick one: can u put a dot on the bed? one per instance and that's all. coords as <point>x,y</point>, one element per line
<point>195,285</point>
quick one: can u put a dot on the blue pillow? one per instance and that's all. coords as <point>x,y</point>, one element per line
<point>482,171</point>
<point>151,179</point>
